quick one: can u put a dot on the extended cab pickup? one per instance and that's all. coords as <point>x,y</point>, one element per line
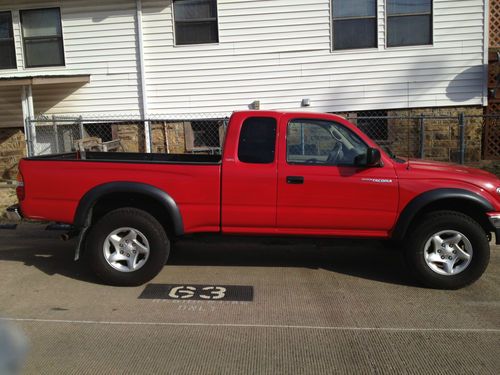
<point>280,174</point>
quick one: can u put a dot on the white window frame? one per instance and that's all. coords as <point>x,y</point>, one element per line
<point>21,32</point>
<point>195,44</point>
<point>351,50</point>
<point>386,27</point>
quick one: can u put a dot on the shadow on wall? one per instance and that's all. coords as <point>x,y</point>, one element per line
<point>459,88</point>
<point>47,97</point>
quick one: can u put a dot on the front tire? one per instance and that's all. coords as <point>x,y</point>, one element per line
<point>447,250</point>
<point>127,247</point>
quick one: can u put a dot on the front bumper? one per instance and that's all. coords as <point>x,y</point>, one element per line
<point>495,222</point>
<point>14,213</point>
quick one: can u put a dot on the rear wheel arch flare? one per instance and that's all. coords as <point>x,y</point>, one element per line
<point>87,203</point>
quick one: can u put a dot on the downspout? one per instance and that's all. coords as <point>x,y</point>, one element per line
<point>142,75</point>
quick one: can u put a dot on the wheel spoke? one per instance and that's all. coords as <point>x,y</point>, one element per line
<point>131,235</point>
<point>437,241</point>
<point>448,266</point>
<point>132,262</point>
<point>457,237</point>
<point>116,256</point>
<point>115,240</point>
<point>461,253</point>
<point>433,257</point>
<point>140,247</point>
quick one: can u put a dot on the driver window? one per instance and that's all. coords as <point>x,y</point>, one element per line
<point>322,142</point>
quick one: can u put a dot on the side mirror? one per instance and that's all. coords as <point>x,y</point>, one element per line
<point>370,159</point>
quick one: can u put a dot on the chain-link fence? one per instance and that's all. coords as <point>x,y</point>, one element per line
<point>456,138</point>
<point>172,135</point>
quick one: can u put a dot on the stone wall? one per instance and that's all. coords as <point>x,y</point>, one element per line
<point>168,136</point>
<point>131,137</point>
<point>442,135</point>
<point>7,198</point>
<point>164,136</point>
<point>12,148</point>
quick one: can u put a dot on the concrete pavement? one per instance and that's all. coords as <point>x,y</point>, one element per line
<point>319,307</point>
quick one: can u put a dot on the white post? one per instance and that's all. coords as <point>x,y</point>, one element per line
<point>28,116</point>
<point>142,74</point>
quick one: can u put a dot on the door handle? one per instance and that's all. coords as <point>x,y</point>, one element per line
<point>294,180</point>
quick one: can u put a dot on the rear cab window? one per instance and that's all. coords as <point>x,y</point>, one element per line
<point>257,142</point>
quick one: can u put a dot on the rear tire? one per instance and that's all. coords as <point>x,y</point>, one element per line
<point>447,250</point>
<point>127,247</point>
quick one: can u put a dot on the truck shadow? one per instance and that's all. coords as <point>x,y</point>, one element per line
<point>367,259</point>
<point>44,251</point>
<point>360,258</point>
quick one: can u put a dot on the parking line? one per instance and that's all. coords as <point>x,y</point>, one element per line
<point>228,325</point>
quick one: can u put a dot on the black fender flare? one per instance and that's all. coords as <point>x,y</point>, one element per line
<point>424,199</point>
<point>86,204</point>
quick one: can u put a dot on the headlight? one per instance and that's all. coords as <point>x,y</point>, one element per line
<point>498,190</point>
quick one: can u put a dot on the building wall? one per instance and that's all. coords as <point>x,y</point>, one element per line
<point>279,52</point>
<point>99,40</point>
<point>275,51</point>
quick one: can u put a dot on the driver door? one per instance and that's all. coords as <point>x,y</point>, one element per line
<point>321,191</point>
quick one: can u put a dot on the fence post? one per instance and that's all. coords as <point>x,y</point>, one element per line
<point>147,136</point>
<point>56,136</point>
<point>422,136</point>
<point>80,126</point>
<point>461,124</point>
<point>30,137</point>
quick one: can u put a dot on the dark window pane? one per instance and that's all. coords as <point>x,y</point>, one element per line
<point>354,8</point>
<point>194,9</point>
<point>7,45</point>
<point>257,140</point>
<point>5,25</point>
<point>43,52</point>
<point>41,22</point>
<point>43,45</point>
<point>408,6</point>
<point>356,33</point>
<point>196,32</point>
<point>408,30</point>
<point>7,55</point>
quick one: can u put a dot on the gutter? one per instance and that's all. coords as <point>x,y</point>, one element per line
<point>144,99</point>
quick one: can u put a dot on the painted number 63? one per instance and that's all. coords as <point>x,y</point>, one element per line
<point>208,292</point>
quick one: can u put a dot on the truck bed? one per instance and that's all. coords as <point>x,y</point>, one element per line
<point>55,184</point>
<point>132,157</point>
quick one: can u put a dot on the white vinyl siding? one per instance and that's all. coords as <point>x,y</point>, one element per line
<point>99,40</point>
<point>275,51</point>
<point>279,52</point>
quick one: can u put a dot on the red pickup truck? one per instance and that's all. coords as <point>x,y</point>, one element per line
<point>280,174</point>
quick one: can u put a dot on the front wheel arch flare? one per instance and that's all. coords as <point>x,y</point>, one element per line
<point>419,204</point>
